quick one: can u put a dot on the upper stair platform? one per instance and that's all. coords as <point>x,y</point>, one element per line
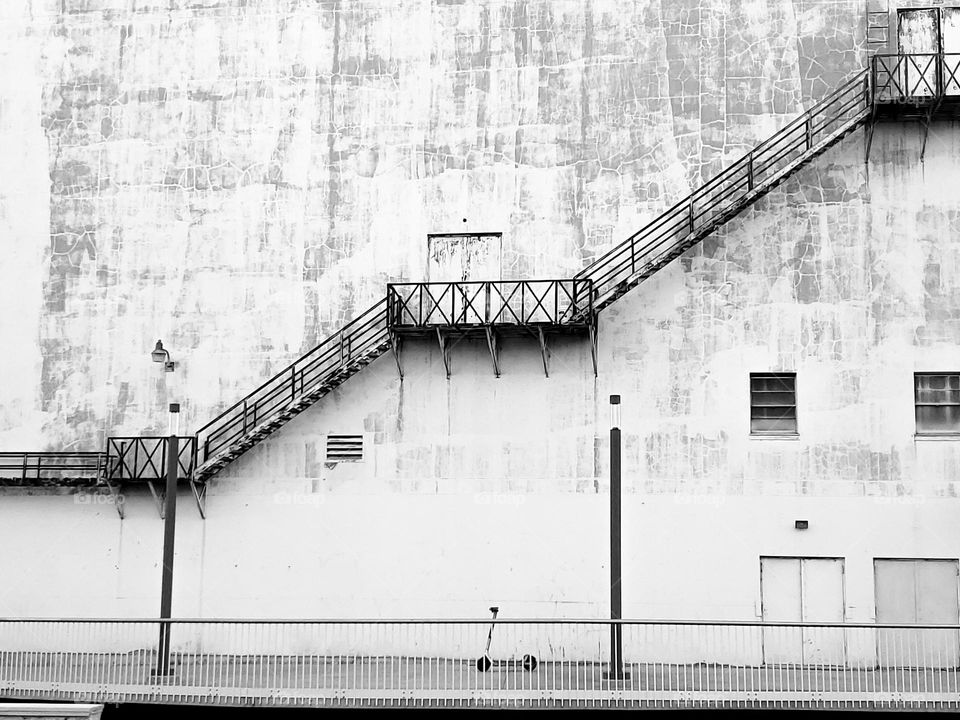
<point>918,86</point>
<point>491,309</point>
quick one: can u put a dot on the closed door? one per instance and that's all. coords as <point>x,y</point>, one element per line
<point>453,258</point>
<point>950,40</point>
<point>802,590</point>
<point>911,592</point>
<point>918,32</point>
<point>462,258</point>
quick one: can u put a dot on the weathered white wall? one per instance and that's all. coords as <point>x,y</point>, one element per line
<point>239,177</point>
<point>480,490</point>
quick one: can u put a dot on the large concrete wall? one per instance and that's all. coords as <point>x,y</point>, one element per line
<point>477,490</point>
<point>239,177</point>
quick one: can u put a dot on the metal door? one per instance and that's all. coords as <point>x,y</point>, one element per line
<point>781,601</point>
<point>950,44</point>
<point>823,602</point>
<point>918,32</point>
<point>463,258</point>
<point>917,591</point>
<point>806,590</point>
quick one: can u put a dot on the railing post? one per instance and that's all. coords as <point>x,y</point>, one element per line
<point>808,127</point>
<point>750,170</point>
<point>293,382</point>
<point>244,416</point>
<point>486,304</point>
<point>690,215</point>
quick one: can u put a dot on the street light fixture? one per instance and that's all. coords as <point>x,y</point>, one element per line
<point>160,355</point>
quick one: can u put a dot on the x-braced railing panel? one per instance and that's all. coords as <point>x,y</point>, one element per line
<point>915,77</point>
<point>336,357</point>
<point>40,467</point>
<point>730,191</point>
<point>490,303</point>
<point>144,459</point>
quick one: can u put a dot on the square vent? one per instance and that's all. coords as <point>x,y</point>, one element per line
<point>344,448</point>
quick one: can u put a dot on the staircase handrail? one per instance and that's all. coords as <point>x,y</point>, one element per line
<point>680,220</point>
<point>297,379</point>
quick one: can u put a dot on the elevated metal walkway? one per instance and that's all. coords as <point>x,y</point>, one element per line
<point>894,87</point>
<point>914,87</point>
<point>491,310</point>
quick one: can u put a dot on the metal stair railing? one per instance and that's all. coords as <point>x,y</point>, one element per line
<point>489,303</point>
<point>39,467</point>
<point>684,224</point>
<point>287,392</point>
<point>729,192</point>
<point>915,77</point>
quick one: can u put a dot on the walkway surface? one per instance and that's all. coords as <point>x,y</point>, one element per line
<point>316,681</point>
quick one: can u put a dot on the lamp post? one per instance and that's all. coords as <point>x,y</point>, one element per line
<point>169,518</point>
<point>616,613</point>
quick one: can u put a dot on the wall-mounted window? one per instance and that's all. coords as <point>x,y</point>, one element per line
<point>344,448</point>
<point>773,403</point>
<point>937,398</point>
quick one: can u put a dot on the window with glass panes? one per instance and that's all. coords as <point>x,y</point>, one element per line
<point>937,398</point>
<point>773,403</point>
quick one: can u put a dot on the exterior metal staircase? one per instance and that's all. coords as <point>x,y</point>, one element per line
<point>693,218</point>
<point>293,390</point>
<point>889,89</point>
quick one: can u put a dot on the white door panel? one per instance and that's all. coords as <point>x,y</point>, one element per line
<point>808,590</point>
<point>822,582</point>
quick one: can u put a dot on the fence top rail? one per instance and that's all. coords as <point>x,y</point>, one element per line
<point>484,621</point>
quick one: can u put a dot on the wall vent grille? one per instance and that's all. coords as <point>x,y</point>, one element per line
<point>344,448</point>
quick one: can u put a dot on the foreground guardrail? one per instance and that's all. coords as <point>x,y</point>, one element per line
<point>529,663</point>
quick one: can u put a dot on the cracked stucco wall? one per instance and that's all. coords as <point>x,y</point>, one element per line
<point>240,177</point>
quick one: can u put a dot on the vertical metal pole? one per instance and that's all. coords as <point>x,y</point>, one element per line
<point>169,531</point>
<point>616,630</point>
